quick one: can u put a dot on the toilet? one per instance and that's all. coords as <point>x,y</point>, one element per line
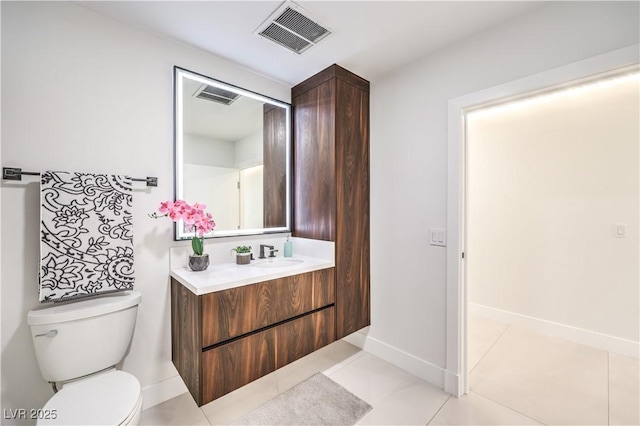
<point>78,345</point>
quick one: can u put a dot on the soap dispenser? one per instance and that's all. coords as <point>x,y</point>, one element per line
<point>288,247</point>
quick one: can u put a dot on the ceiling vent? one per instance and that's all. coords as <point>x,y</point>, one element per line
<point>216,94</point>
<point>290,28</point>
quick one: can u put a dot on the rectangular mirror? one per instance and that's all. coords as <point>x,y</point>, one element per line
<point>232,153</point>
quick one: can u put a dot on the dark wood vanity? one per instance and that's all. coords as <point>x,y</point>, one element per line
<point>225,339</point>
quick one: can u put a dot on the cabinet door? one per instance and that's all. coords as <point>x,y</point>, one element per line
<point>352,240</point>
<point>314,165</point>
<point>234,364</point>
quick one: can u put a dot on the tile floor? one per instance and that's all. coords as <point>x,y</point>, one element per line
<point>517,378</point>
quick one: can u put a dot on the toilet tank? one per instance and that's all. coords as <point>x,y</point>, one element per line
<point>78,338</point>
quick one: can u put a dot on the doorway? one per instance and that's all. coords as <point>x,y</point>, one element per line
<point>608,65</point>
<point>551,231</point>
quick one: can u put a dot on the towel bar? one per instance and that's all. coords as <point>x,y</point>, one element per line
<point>14,173</point>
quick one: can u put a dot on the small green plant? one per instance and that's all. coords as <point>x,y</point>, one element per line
<point>197,244</point>
<point>242,249</point>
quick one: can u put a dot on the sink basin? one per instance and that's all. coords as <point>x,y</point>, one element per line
<point>277,263</point>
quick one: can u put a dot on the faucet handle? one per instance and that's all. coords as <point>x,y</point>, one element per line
<point>272,252</point>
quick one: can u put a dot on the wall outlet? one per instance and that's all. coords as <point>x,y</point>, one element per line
<point>438,237</point>
<point>620,230</point>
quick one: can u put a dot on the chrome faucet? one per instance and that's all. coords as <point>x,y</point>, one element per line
<point>272,251</point>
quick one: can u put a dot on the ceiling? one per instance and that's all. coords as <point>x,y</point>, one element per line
<point>369,38</point>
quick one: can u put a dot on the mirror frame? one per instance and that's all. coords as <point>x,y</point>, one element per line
<point>178,75</point>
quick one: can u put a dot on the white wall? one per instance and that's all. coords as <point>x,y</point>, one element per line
<point>252,197</point>
<point>548,179</point>
<point>82,92</point>
<point>249,150</point>
<point>208,152</point>
<point>409,160</point>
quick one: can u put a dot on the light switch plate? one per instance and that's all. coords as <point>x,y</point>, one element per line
<point>438,237</point>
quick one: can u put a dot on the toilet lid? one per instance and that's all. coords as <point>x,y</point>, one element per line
<point>105,399</point>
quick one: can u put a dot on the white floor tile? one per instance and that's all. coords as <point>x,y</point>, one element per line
<point>483,333</point>
<point>550,380</point>
<point>624,390</point>
<point>474,409</point>
<point>373,379</point>
<point>181,410</point>
<point>413,405</point>
<point>230,407</point>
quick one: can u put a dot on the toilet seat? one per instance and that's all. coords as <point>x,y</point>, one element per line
<point>111,398</point>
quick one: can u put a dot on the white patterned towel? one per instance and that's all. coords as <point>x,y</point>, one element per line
<point>86,230</point>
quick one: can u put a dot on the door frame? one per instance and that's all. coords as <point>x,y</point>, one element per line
<point>602,66</point>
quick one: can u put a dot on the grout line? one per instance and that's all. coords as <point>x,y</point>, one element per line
<point>488,350</point>
<point>439,409</point>
<point>509,408</point>
<point>486,397</point>
<point>208,421</point>
<point>205,415</point>
<point>340,365</point>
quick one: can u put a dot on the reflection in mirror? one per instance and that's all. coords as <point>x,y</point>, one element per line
<point>232,152</point>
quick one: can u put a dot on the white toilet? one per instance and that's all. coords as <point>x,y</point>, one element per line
<point>78,345</point>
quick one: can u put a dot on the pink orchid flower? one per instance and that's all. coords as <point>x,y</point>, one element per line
<point>194,215</point>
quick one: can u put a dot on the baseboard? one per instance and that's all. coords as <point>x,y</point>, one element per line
<point>414,365</point>
<point>560,331</point>
<point>163,391</point>
<point>452,383</point>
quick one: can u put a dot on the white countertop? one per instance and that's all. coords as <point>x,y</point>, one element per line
<point>224,276</point>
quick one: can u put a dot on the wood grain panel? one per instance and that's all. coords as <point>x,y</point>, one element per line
<point>314,196</point>
<point>324,288</point>
<point>231,313</point>
<point>333,71</point>
<point>275,166</point>
<point>352,241</point>
<point>348,221</point>
<point>294,296</point>
<point>302,336</point>
<point>230,366</point>
<point>185,336</point>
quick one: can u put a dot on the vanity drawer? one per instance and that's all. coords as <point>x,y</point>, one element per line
<point>231,313</point>
<point>232,365</point>
<point>300,337</point>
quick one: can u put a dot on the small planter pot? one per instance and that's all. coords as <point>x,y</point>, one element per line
<point>243,258</point>
<point>198,263</point>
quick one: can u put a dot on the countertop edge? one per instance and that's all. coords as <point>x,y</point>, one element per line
<point>182,275</point>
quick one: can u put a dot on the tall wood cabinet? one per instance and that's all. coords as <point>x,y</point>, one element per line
<point>331,182</point>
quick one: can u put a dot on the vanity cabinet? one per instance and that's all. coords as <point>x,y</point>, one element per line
<point>226,339</point>
<point>331,182</point>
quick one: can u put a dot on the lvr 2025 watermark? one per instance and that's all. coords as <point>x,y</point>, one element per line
<point>29,413</point>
